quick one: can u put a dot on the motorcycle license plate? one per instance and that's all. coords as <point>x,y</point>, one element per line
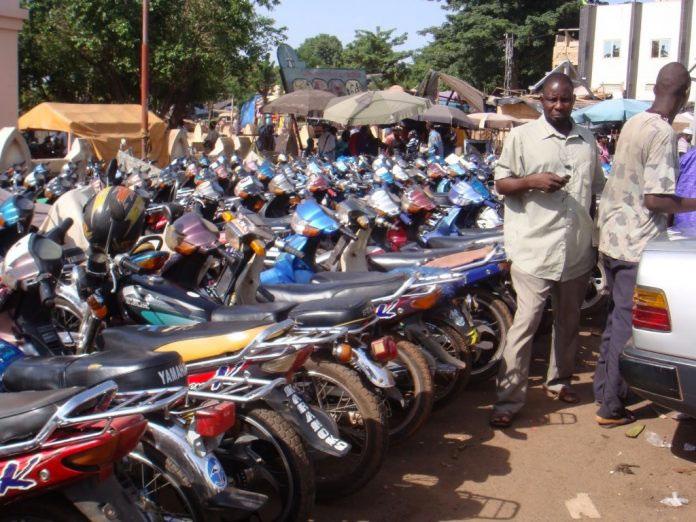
<point>313,421</point>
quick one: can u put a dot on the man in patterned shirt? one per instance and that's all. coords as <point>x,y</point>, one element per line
<point>636,205</point>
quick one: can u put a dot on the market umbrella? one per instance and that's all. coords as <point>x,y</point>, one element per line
<point>614,110</point>
<point>448,115</point>
<point>374,108</point>
<point>305,102</point>
<point>493,120</point>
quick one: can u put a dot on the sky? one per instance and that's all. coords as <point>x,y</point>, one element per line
<point>305,18</point>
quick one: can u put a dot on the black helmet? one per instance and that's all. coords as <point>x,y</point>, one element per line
<point>114,216</point>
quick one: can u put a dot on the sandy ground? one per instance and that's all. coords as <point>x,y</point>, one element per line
<point>553,464</point>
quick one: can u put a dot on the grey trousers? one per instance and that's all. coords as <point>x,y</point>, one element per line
<point>532,292</point>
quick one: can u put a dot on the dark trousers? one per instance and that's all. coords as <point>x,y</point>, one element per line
<point>610,389</point>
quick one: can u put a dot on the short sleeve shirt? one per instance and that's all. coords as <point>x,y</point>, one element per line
<point>646,162</point>
<point>549,235</point>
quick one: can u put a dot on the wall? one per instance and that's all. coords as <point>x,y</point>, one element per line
<point>613,22</point>
<point>11,19</point>
<point>660,20</point>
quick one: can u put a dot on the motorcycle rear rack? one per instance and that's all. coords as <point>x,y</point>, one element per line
<point>238,389</point>
<point>120,405</point>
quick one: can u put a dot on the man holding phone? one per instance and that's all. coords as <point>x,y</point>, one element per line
<point>548,172</point>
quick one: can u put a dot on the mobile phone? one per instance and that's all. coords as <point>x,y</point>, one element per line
<point>566,177</point>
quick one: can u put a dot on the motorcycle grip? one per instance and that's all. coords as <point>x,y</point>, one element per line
<point>47,295</point>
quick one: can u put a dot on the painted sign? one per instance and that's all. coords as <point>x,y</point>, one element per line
<point>296,75</point>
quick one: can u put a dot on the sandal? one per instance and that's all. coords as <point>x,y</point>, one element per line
<point>566,395</point>
<point>605,422</point>
<point>500,420</point>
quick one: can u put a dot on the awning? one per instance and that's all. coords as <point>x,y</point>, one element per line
<point>429,88</point>
<point>102,124</point>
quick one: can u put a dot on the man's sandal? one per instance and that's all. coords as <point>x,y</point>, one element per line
<point>604,422</point>
<point>565,395</point>
<point>500,420</point>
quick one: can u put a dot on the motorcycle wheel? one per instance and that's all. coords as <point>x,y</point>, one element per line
<point>67,320</point>
<point>492,319</point>
<point>160,487</point>
<point>414,381</point>
<point>447,387</point>
<point>264,454</point>
<point>361,421</point>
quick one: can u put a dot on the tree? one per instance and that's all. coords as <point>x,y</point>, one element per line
<point>322,50</point>
<point>374,52</point>
<point>470,44</point>
<point>88,50</point>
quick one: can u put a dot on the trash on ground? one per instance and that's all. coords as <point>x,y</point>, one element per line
<point>685,471</point>
<point>656,440</point>
<point>626,469</point>
<point>689,447</point>
<point>674,501</point>
<point>582,507</point>
<point>634,431</point>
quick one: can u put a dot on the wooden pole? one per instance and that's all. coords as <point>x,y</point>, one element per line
<point>144,81</point>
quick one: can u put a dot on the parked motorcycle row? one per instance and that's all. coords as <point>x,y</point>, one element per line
<point>228,340</point>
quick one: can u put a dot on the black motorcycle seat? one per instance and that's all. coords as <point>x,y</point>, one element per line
<point>466,238</point>
<point>410,258</point>
<point>150,338</point>
<point>131,369</point>
<point>266,312</point>
<point>23,414</point>
<point>334,313</point>
<point>300,293</point>
<point>356,277</point>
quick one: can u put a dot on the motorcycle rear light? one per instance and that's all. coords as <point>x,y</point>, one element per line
<point>130,435</point>
<point>215,420</point>
<point>384,349</point>
<point>343,352</point>
<point>427,301</point>
<point>504,266</point>
<point>650,310</point>
<point>94,458</point>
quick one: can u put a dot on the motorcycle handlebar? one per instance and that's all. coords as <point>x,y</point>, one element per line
<point>348,233</point>
<point>47,294</point>
<point>129,265</point>
<point>58,232</point>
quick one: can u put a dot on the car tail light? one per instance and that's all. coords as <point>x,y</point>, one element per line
<point>427,301</point>
<point>215,420</point>
<point>384,349</point>
<point>650,310</point>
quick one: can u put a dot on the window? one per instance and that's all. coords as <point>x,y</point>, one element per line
<point>660,48</point>
<point>612,48</point>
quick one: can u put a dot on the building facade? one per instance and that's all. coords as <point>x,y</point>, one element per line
<point>623,46</point>
<point>11,19</point>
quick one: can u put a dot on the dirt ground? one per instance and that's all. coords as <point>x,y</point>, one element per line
<point>553,464</point>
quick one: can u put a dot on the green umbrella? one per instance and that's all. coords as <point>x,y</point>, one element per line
<point>305,102</point>
<point>374,108</point>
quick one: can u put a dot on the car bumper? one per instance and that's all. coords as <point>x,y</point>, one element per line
<point>666,380</point>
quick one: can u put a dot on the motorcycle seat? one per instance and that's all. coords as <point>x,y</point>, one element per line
<point>410,258</point>
<point>23,414</point>
<point>338,312</point>
<point>130,368</point>
<point>264,312</point>
<point>301,293</point>
<point>460,259</point>
<point>191,342</point>
<point>466,237</point>
<point>356,277</point>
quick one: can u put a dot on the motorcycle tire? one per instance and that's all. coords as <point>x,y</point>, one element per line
<point>416,385</point>
<point>46,508</point>
<point>146,467</point>
<point>449,337</point>
<point>283,455</point>
<point>493,319</point>
<point>337,477</point>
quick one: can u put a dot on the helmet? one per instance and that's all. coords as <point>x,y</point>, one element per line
<point>117,213</point>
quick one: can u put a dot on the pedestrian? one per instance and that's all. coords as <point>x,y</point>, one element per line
<point>684,142</point>
<point>212,136</point>
<point>326,145</point>
<point>548,173</point>
<point>635,207</point>
<point>435,145</point>
<point>342,144</point>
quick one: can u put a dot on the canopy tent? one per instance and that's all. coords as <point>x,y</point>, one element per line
<point>303,102</point>
<point>428,88</point>
<point>447,115</point>
<point>493,120</point>
<point>374,107</point>
<point>103,125</point>
<point>615,110</point>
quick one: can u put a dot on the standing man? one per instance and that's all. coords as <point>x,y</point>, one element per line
<point>326,146</point>
<point>435,145</point>
<point>548,172</point>
<point>635,207</point>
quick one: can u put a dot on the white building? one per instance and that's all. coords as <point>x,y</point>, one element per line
<point>11,20</point>
<point>623,46</point>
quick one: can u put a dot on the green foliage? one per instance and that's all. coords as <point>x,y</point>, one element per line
<point>374,52</point>
<point>470,44</point>
<point>89,51</point>
<point>322,50</point>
